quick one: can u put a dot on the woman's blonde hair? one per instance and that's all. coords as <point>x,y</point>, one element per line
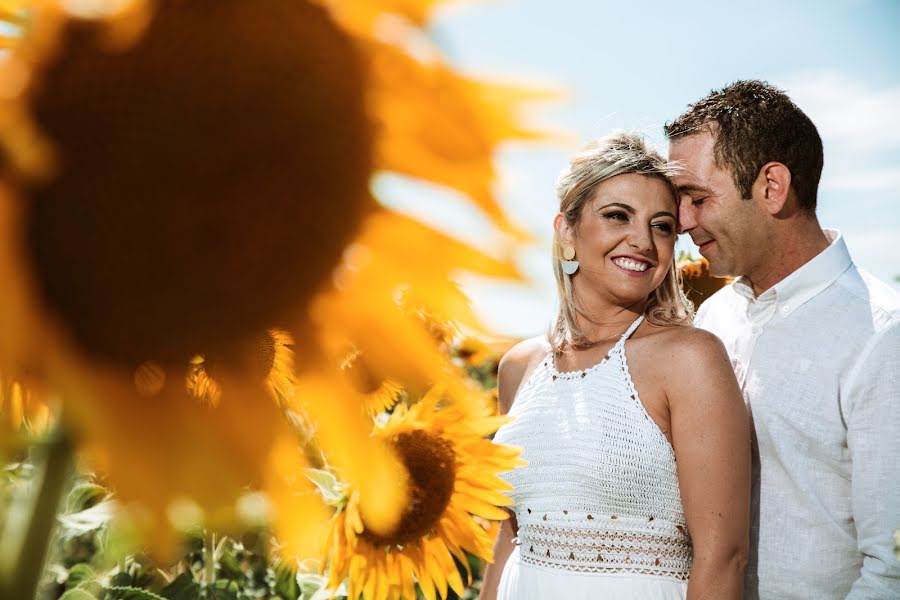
<point>616,154</point>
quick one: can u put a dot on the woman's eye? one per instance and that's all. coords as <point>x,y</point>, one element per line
<point>664,227</point>
<point>616,216</point>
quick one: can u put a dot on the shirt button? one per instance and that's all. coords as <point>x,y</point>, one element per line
<point>785,309</point>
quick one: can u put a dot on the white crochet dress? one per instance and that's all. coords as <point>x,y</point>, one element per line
<point>598,505</point>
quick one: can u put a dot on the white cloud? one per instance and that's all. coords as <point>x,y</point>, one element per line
<point>872,180</point>
<point>875,251</point>
<point>847,111</point>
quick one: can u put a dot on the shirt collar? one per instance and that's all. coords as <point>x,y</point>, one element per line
<point>807,281</point>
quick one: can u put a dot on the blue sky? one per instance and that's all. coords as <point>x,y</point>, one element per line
<point>635,66</point>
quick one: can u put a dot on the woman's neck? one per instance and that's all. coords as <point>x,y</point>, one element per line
<point>599,317</point>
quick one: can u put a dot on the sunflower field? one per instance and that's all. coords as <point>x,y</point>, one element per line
<point>227,370</point>
<point>93,554</point>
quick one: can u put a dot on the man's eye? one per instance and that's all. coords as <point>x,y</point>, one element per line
<point>697,201</point>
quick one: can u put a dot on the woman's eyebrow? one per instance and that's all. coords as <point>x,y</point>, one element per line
<point>664,213</point>
<point>620,205</point>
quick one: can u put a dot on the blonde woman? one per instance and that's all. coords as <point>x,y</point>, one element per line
<point>634,428</point>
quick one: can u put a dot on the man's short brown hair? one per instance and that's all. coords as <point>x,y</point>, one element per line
<point>756,123</point>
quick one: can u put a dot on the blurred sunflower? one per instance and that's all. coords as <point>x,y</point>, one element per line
<point>453,485</point>
<point>697,282</point>
<point>380,394</point>
<point>25,410</point>
<point>164,197</point>
<point>273,361</point>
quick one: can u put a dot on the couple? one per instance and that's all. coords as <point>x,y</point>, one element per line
<point>646,479</point>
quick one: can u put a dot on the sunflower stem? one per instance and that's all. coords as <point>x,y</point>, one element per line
<point>210,559</point>
<point>28,530</point>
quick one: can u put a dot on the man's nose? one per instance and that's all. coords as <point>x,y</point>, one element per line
<point>687,216</point>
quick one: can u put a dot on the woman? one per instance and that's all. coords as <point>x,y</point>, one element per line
<point>619,392</point>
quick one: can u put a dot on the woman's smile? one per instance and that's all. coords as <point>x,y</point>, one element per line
<point>635,267</point>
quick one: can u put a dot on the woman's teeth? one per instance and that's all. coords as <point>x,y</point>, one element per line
<point>631,265</point>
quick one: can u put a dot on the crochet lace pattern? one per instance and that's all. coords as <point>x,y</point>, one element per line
<point>600,491</point>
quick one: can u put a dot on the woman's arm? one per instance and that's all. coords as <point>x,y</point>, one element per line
<point>503,547</point>
<point>512,371</point>
<point>711,438</point>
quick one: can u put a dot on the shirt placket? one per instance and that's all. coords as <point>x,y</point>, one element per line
<point>759,313</point>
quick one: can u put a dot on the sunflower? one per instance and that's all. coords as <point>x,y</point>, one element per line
<point>380,394</point>
<point>272,360</point>
<point>153,209</point>
<point>158,164</point>
<point>453,485</point>
<point>698,284</point>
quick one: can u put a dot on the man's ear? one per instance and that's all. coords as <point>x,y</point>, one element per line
<point>774,186</point>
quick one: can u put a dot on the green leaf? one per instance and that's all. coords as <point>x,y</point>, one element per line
<point>310,583</point>
<point>229,565</point>
<point>85,521</point>
<point>333,491</point>
<point>79,574</point>
<point>78,594</point>
<point>85,495</point>
<point>181,588</point>
<point>286,583</point>
<point>121,579</point>
<point>127,592</point>
<point>223,589</point>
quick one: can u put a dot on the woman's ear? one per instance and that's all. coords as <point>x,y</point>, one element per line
<point>563,231</point>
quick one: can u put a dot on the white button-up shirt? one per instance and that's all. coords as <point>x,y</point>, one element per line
<point>818,360</point>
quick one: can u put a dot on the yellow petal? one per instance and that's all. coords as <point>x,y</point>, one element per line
<point>483,494</point>
<point>479,507</point>
<point>343,432</point>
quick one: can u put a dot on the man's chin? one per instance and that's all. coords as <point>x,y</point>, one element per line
<point>718,269</point>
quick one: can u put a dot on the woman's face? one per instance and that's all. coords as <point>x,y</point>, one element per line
<point>625,238</point>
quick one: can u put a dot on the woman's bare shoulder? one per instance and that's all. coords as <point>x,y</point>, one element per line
<point>685,340</point>
<point>526,351</point>
<point>691,359</point>
<point>516,366</point>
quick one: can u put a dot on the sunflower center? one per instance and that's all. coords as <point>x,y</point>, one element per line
<point>431,464</point>
<point>258,356</point>
<point>198,198</point>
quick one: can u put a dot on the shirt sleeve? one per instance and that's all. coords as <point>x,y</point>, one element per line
<point>873,438</point>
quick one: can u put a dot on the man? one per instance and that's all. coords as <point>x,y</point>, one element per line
<point>815,345</point>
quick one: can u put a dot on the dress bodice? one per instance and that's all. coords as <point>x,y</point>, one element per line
<point>600,490</point>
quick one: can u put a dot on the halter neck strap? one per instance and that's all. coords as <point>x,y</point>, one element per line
<point>630,330</point>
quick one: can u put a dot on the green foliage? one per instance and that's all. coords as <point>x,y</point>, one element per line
<point>333,492</point>
<point>84,565</point>
<point>94,557</point>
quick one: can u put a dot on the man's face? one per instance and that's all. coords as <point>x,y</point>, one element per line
<point>728,230</point>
